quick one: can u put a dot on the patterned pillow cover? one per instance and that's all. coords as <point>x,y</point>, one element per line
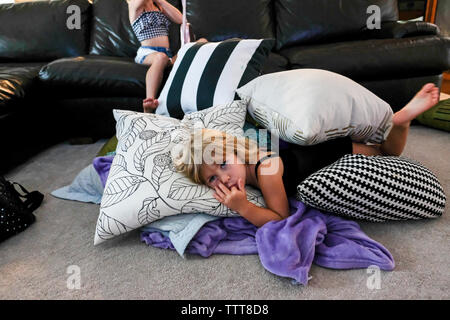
<point>143,185</point>
<point>374,188</point>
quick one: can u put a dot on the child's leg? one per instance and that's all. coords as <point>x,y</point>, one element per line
<point>396,140</point>
<point>158,62</point>
<point>173,59</point>
<point>394,144</point>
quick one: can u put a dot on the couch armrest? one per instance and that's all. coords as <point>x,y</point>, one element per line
<point>399,29</point>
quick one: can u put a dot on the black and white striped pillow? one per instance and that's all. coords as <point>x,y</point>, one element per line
<point>374,188</point>
<point>208,74</point>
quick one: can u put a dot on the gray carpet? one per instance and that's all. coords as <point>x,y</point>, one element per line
<point>34,264</point>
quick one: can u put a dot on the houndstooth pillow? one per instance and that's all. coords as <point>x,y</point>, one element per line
<point>374,188</point>
<point>143,185</point>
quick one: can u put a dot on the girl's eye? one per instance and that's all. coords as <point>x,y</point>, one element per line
<point>211,180</point>
<point>223,165</point>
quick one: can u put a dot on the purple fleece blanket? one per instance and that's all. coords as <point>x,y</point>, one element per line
<point>102,165</point>
<point>286,248</point>
<point>289,247</point>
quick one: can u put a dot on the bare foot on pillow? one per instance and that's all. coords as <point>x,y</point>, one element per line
<point>150,105</point>
<point>426,98</point>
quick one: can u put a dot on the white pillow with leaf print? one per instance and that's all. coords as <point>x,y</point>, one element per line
<point>143,186</point>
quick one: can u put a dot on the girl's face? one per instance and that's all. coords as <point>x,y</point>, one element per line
<point>227,173</point>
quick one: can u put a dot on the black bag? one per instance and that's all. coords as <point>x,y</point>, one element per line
<point>16,214</point>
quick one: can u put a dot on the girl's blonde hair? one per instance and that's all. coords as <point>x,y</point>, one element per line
<point>208,146</point>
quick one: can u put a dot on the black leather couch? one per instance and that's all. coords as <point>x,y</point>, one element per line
<point>59,82</point>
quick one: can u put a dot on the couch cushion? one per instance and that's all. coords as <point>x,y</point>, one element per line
<point>112,34</point>
<point>379,58</point>
<point>399,91</point>
<point>91,117</point>
<point>218,20</point>
<point>37,31</point>
<point>22,64</point>
<point>309,21</point>
<point>15,84</point>
<point>94,76</point>
<point>274,63</point>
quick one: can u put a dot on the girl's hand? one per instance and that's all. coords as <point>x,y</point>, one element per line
<point>235,199</point>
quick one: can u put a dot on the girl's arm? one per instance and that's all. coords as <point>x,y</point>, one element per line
<point>170,11</point>
<point>260,216</point>
<point>135,7</point>
<point>136,3</point>
<point>272,188</point>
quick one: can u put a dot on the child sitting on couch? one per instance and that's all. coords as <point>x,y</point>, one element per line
<point>150,20</point>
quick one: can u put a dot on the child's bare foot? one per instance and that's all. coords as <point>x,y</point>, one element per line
<point>150,105</point>
<point>426,98</point>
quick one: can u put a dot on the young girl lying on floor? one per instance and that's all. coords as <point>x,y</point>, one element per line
<point>150,20</point>
<point>277,175</point>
